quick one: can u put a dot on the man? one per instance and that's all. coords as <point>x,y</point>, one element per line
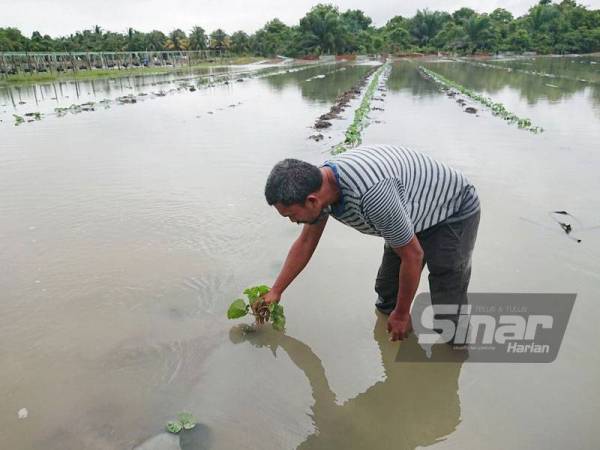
<point>425,211</point>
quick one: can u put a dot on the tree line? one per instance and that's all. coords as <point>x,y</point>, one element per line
<point>565,27</point>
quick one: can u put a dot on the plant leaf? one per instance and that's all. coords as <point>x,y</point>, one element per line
<point>237,309</point>
<point>255,292</point>
<point>277,316</point>
<point>187,420</point>
<point>174,426</point>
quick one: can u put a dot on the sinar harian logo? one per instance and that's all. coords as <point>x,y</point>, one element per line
<point>495,327</point>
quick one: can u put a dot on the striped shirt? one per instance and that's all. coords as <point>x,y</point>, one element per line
<point>394,192</point>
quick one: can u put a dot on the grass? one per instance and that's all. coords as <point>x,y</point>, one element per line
<point>353,133</point>
<point>498,109</point>
<point>26,78</point>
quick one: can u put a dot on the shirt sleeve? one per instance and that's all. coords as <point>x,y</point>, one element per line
<point>384,207</point>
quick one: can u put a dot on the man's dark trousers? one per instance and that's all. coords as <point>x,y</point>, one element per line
<point>447,251</point>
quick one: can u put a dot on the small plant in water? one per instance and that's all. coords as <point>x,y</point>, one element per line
<point>498,109</point>
<point>18,120</point>
<point>258,308</point>
<point>185,421</point>
<point>353,137</point>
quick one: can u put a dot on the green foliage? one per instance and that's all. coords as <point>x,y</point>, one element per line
<point>353,133</point>
<point>547,28</point>
<point>198,39</point>
<point>219,40</point>
<point>255,306</point>
<point>174,426</point>
<point>277,316</point>
<point>18,120</point>
<point>240,43</point>
<point>185,421</point>
<point>254,293</point>
<point>498,109</point>
<point>237,309</point>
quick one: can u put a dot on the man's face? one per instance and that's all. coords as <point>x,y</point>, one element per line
<point>310,212</point>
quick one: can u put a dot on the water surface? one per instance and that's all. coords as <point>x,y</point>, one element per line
<point>127,231</point>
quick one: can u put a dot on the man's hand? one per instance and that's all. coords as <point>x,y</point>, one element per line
<point>399,325</point>
<point>271,297</point>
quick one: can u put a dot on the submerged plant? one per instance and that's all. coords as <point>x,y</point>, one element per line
<point>185,421</point>
<point>528,72</point>
<point>34,115</point>
<point>498,109</point>
<point>256,306</point>
<point>18,120</point>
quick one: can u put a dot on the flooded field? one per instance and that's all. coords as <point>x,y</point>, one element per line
<point>128,227</point>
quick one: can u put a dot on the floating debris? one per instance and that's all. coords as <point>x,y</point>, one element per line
<point>319,124</point>
<point>126,99</point>
<point>328,116</point>
<point>35,115</point>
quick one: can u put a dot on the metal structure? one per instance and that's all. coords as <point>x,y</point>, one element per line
<point>12,63</point>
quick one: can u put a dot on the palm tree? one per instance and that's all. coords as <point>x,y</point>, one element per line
<point>197,39</point>
<point>219,40</point>
<point>177,40</point>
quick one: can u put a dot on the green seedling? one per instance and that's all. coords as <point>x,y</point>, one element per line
<point>353,133</point>
<point>185,421</point>
<point>498,109</point>
<point>257,307</point>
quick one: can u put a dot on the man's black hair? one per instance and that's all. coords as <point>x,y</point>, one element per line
<point>291,181</point>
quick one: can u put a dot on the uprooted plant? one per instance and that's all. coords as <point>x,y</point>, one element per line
<point>257,307</point>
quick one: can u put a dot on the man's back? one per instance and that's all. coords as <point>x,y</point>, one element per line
<point>395,192</point>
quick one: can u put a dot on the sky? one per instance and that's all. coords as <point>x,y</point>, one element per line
<point>63,17</point>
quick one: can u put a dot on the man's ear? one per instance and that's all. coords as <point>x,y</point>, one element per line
<point>311,200</point>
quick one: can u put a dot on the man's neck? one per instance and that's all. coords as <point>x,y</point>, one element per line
<point>330,189</point>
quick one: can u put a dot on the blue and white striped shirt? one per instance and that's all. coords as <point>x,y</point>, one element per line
<point>394,192</point>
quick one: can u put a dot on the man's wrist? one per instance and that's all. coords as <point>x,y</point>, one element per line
<point>402,307</point>
<point>276,291</point>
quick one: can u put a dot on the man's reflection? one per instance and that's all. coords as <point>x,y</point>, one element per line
<point>416,405</point>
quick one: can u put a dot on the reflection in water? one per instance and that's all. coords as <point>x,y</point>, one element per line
<point>531,87</point>
<point>338,78</point>
<point>577,68</point>
<point>416,405</point>
<point>44,97</point>
<point>405,76</point>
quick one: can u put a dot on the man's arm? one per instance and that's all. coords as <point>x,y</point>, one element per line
<point>411,256</point>
<point>300,253</point>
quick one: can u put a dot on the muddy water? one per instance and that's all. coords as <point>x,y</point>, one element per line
<point>126,232</point>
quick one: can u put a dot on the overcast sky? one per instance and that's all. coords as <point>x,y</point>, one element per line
<point>62,17</point>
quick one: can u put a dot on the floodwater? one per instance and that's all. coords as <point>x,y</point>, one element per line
<point>125,232</point>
